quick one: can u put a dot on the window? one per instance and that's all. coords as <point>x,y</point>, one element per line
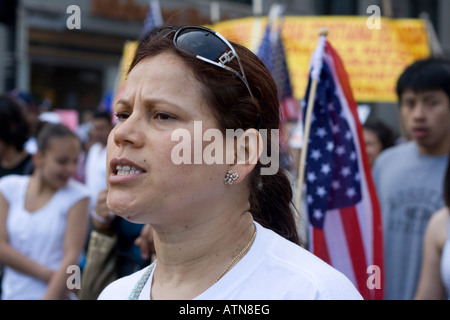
<point>332,7</point>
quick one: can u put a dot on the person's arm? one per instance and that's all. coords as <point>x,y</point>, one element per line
<point>145,242</point>
<point>102,218</point>
<point>74,242</point>
<point>13,258</point>
<point>430,285</point>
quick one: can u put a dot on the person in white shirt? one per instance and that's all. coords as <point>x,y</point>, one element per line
<point>222,225</point>
<point>96,157</point>
<point>43,220</point>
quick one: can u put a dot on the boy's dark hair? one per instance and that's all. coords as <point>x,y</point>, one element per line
<point>102,115</point>
<point>426,74</point>
<point>14,127</point>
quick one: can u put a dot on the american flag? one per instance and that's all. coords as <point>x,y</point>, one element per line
<point>153,18</point>
<point>344,214</point>
<point>272,53</point>
<point>333,177</point>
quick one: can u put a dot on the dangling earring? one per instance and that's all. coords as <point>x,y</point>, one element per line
<point>231,177</point>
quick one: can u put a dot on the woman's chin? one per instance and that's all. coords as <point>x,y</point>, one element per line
<point>126,211</point>
<point>120,204</point>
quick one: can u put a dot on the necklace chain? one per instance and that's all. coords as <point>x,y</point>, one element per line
<point>238,256</point>
<point>135,293</point>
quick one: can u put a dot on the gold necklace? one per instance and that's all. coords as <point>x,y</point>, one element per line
<point>238,255</point>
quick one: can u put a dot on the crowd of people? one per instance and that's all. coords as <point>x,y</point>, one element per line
<point>52,183</point>
<point>211,240</point>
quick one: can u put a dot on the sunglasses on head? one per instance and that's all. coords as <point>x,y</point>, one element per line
<point>209,46</point>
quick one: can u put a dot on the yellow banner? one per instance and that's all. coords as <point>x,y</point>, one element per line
<point>373,58</point>
<point>129,51</point>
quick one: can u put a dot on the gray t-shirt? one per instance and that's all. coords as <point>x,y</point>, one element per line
<point>409,187</point>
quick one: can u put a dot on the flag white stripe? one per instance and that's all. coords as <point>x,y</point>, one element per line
<point>364,207</point>
<point>336,240</point>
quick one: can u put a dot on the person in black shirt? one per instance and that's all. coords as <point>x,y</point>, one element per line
<point>14,132</point>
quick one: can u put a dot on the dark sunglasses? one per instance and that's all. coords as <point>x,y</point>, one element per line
<point>209,46</point>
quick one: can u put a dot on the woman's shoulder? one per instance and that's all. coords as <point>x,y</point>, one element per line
<point>77,185</point>
<point>120,289</point>
<point>14,178</point>
<point>438,227</point>
<point>75,189</point>
<point>304,275</point>
<point>10,184</point>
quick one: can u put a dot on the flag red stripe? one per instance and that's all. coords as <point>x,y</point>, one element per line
<point>377,235</point>
<point>320,245</point>
<point>355,245</point>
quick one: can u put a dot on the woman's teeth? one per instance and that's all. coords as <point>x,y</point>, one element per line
<point>126,170</point>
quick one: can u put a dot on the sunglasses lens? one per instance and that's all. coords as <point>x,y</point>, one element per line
<point>200,43</point>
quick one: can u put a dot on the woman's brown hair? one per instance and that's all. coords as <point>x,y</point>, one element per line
<point>234,108</point>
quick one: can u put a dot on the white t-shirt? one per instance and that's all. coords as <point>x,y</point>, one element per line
<point>96,171</point>
<point>39,235</point>
<point>273,269</point>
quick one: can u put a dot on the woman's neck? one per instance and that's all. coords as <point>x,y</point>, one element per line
<point>192,259</point>
<point>39,193</point>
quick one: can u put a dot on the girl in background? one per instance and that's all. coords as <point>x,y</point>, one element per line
<point>43,220</point>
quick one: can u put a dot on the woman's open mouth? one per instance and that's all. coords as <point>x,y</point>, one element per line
<point>123,170</point>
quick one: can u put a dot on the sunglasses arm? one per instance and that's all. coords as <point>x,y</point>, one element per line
<point>221,65</point>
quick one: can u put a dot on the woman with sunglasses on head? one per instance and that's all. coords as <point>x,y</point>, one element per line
<point>222,230</point>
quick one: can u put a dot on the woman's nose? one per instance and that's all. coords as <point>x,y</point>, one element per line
<point>128,132</point>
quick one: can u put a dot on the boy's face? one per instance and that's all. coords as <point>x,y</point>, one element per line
<point>100,130</point>
<point>426,117</point>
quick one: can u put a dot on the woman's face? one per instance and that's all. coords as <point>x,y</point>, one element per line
<point>161,95</point>
<point>373,145</point>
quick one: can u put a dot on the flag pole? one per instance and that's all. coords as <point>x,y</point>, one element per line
<point>312,96</point>
<point>257,25</point>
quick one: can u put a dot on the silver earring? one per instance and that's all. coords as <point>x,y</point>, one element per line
<point>230,177</point>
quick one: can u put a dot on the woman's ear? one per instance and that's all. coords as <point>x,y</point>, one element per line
<point>248,150</point>
<point>38,159</point>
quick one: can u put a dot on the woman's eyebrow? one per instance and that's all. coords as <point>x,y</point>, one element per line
<point>124,102</point>
<point>155,101</point>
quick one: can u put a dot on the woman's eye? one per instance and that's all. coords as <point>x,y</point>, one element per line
<point>122,116</point>
<point>163,116</point>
